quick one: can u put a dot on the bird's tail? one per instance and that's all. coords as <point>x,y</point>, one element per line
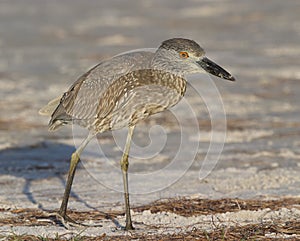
<point>48,109</point>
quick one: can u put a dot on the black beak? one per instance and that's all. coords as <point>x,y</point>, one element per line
<point>215,69</point>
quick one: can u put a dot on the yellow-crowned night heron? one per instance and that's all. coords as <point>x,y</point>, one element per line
<point>123,90</point>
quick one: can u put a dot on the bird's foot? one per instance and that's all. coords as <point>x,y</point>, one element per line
<point>67,221</point>
<point>63,219</point>
<point>128,226</point>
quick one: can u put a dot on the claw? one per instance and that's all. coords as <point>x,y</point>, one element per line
<point>67,221</point>
<point>128,227</point>
<point>64,220</point>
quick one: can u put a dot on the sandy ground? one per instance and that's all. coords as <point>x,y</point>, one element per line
<point>166,219</point>
<point>46,45</point>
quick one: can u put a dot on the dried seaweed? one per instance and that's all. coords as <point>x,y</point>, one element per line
<point>185,207</point>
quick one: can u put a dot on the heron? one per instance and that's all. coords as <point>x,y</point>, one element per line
<point>122,91</point>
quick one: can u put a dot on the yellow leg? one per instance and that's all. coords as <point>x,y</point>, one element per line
<point>124,167</point>
<point>73,164</point>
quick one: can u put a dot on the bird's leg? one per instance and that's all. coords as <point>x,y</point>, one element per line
<point>124,167</point>
<point>63,207</point>
<point>62,213</point>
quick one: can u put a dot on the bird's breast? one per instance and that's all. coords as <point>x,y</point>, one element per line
<point>136,95</point>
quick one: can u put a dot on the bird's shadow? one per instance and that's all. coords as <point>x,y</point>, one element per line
<point>43,160</point>
<point>40,161</point>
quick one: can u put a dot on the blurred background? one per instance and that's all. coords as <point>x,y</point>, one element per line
<point>46,45</point>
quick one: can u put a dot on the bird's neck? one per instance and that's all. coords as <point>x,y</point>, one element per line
<point>162,61</point>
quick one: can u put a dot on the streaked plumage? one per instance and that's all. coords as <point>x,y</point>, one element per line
<point>121,91</point>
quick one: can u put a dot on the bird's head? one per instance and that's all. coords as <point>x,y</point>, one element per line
<point>184,56</point>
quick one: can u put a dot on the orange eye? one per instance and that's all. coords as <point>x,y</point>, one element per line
<point>184,55</point>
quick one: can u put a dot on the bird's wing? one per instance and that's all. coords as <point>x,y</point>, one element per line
<point>80,102</point>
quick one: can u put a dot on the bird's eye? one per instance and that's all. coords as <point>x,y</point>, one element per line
<point>184,55</point>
